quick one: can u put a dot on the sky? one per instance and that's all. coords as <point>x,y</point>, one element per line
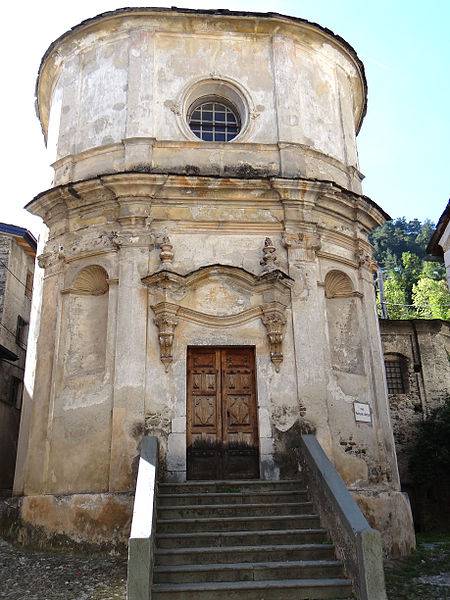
<point>404,140</point>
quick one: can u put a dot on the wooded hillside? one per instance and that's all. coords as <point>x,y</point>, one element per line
<point>414,283</point>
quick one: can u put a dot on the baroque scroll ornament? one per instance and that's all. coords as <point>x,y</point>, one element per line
<point>166,323</point>
<point>275,323</point>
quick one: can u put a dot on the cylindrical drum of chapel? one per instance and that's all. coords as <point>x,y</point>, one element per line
<point>198,93</point>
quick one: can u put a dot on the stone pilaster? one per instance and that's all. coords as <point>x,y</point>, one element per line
<point>130,365</point>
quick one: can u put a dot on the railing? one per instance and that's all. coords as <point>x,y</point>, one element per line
<point>141,542</point>
<point>357,544</point>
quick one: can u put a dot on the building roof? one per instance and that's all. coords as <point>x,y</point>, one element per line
<point>433,246</point>
<point>23,237</point>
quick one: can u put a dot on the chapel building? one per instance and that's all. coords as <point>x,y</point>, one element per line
<point>208,277</point>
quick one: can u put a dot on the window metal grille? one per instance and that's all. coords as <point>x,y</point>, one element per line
<point>214,122</point>
<point>395,375</point>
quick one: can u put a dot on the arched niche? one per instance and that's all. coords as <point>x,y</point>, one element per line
<point>86,317</point>
<point>343,323</point>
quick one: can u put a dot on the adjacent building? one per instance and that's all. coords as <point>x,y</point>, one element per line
<point>17,254</point>
<point>417,361</point>
<point>440,241</point>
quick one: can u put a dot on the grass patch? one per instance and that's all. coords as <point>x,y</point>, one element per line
<point>420,575</point>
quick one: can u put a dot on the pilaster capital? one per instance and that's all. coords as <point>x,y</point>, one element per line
<point>306,243</point>
<point>130,239</point>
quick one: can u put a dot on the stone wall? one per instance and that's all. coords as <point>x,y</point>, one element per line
<point>424,347</point>
<point>5,245</point>
<point>13,302</point>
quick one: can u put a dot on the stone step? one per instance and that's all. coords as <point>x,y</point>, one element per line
<point>239,486</point>
<point>234,510</point>
<point>247,554</point>
<point>237,523</point>
<point>246,538</point>
<point>290,589</point>
<point>306,569</point>
<point>268,497</point>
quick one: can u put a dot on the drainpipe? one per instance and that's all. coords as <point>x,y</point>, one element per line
<point>384,312</point>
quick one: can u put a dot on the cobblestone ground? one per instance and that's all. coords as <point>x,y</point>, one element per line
<point>27,575</point>
<point>31,575</point>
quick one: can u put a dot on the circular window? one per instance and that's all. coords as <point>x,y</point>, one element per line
<point>214,120</point>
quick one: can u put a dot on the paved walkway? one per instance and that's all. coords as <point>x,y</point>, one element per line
<point>26,575</point>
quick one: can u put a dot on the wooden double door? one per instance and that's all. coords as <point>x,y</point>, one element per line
<point>222,423</point>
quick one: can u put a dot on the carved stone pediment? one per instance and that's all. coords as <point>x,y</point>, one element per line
<point>169,286</point>
<point>219,296</point>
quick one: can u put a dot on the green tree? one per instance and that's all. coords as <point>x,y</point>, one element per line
<point>429,466</point>
<point>411,268</point>
<point>433,270</point>
<point>395,297</point>
<point>398,236</point>
<point>414,286</point>
<point>431,298</point>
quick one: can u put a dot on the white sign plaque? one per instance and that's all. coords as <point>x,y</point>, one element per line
<point>362,412</point>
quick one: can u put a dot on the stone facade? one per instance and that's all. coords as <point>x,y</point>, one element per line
<point>159,241</point>
<point>17,252</point>
<point>422,348</point>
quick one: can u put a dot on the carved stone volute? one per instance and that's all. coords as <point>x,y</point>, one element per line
<point>166,321</point>
<point>170,302</point>
<point>274,320</point>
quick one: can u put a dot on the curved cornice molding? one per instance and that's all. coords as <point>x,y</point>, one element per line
<point>201,318</point>
<point>136,187</point>
<point>257,283</point>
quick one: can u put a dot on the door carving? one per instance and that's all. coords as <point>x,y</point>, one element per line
<point>222,431</point>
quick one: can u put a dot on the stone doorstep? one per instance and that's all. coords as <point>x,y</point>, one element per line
<point>225,538</point>
<point>237,498</point>
<point>226,510</point>
<point>257,571</point>
<point>289,589</point>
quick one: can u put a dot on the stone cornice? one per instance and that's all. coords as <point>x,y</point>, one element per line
<point>130,195</point>
<point>69,167</point>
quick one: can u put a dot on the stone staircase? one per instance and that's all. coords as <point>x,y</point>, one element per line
<point>252,540</point>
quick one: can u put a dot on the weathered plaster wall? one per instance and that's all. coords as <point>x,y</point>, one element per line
<point>122,87</point>
<point>97,417</point>
<point>187,233</point>
<point>5,245</point>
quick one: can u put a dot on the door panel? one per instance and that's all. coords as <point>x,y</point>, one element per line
<point>222,433</point>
